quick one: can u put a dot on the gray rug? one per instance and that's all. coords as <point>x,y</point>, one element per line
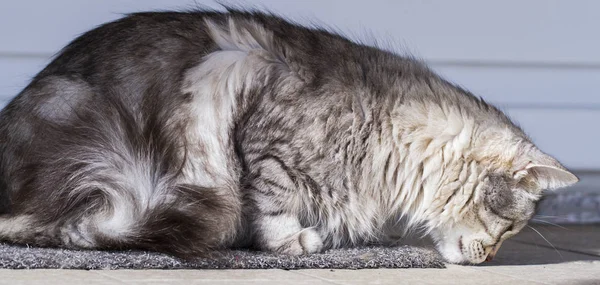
<point>20,257</point>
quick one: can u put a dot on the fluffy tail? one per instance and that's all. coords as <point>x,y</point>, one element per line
<point>195,222</point>
<point>111,178</point>
<point>199,221</point>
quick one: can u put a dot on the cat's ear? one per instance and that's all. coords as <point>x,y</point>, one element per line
<point>544,171</point>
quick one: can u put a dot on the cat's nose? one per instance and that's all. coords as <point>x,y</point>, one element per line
<point>493,252</point>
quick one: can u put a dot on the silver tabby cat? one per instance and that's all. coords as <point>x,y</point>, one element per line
<point>193,131</point>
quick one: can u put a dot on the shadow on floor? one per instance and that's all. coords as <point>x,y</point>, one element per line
<point>559,244</point>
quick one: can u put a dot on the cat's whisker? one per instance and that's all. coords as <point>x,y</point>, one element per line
<point>546,240</point>
<point>550,223</point>
<point>545,216</point>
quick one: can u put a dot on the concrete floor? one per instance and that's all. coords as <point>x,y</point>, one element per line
<point>574,258</point>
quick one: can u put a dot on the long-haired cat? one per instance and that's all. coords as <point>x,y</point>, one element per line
<point>189,132</point>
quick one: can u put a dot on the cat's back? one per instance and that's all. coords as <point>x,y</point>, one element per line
<point>122,62</point>
<point>125,57</point>
<point>141,39</point>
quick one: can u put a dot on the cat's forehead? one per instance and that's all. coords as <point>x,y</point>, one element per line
<point>503,197</point>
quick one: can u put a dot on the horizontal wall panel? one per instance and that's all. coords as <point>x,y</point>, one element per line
<point>555,31</point>
<point>529,87</point>
<point>53,24</point>
<point>15,74</point>
<point>570,135</point>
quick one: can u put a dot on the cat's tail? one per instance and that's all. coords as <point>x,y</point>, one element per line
<point>112,178</point>
<point>190,221</point>
<point>196,222</point>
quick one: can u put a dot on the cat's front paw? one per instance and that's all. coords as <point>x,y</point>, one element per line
<point>304,242</point>
<point>310,240</point>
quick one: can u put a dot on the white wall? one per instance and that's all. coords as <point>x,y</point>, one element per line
<point>538,59</point>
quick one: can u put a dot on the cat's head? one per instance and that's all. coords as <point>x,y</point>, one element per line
<point>508,182</point>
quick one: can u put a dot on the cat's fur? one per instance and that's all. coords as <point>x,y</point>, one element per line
<point>186,132</point>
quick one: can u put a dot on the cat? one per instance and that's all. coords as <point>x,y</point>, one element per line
<point>188,132</point>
